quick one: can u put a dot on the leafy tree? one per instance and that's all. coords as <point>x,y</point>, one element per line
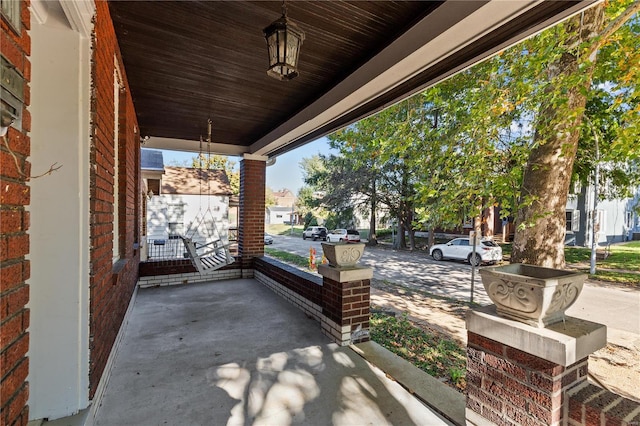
<point>309,196</point>
<point>375,174</point>
<point>505,133</point>
<point>309,220</point>
<point>559,69</point>
<point>219,162</point>
<point>269,197</point>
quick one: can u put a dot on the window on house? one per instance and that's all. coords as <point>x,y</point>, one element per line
<point>629,220</point>
<point>175,229</point>
<point>11,12</point>
<point>572,220</point>
<point>154,186</point>
<point>279,216</point>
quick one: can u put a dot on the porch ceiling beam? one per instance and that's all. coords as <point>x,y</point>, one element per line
<point>451,27</point>
<point>194,146</point>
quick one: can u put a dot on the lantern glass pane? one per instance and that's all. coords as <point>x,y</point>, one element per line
<point>292,50</point>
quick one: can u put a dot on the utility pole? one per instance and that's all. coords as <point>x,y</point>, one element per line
<point>291,233</point>
<point>594,217</point>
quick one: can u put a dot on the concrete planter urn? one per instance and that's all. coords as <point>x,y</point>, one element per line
<point>532,294</point>
<point>343,255</point>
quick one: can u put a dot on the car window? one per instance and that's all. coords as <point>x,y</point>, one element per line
<point>489,243</point>
<point>456,242</point>
<point>352,232</point>
<point>464,242</point>
<point>309,229</point>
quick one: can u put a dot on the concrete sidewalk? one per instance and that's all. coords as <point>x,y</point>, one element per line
<point>233,352</point>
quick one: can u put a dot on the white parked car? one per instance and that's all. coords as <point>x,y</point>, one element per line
<point>343,235</point>
<point>315,232</point>
<point>268,239</point>
<point>462,248</point>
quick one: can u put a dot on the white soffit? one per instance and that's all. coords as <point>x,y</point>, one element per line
<point>193,146</point>
<point>450,28</point>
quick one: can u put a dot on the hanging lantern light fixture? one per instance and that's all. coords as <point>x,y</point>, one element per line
<point>284,39</point>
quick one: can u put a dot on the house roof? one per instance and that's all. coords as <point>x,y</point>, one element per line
<point>188,61</point>
<point>151,159</point>
<point>188,181</point>
<point>283,193</point>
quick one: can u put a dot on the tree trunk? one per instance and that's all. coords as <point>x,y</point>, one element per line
<point>402,239</point>
<point>540,231</point>
<point>432,236</point>
<point>412,239</point>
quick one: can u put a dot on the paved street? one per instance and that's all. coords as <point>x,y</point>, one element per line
<point>613,306</point>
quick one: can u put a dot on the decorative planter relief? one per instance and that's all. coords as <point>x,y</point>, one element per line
<point>341,255</point>
<point>532,294</point>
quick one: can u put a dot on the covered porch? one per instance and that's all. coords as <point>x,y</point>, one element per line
<point>233,352</point>
<point>100,78</point>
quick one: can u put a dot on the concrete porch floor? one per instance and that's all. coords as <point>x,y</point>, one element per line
<point>233,352</point>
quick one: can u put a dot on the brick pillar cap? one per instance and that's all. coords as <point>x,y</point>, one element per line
<point>563,343</point>
<point>343,275</point>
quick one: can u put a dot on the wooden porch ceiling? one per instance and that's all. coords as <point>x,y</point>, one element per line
<point>187,61</point>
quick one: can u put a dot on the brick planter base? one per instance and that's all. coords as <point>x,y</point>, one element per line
<point>522,375</point>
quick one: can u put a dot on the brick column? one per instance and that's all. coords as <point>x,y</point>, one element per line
<point>518,374</point>
<point>252,210</point>
<point>14,226</point>
<point>345,303</point>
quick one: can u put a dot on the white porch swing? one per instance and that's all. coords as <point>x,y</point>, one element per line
<point>213,253</point>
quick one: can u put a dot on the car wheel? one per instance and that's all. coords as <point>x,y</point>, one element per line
<point>304,237</point>
<point>315,238</point>
<point>475,260</point>
<point>328,239</point>
<point>437,255</point>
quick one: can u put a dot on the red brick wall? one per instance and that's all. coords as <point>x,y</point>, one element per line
<point>592,405</point>
<point>111,285</point>
<point>303,283</point>
<point>251,220</point>
<point>14,240</point>
<point>508,386</point>
<point>347,303</point>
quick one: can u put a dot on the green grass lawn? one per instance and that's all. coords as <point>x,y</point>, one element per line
<point>624,256</point>
<point>442,358</point>
<point>284,230</point>
<point>622,266</point>
<point>287,257</point>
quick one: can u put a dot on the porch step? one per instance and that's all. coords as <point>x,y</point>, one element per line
<point>447,402</point>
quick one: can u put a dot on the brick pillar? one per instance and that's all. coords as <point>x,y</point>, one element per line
<point>518,374</point>
<point>252,210</point>
<point>14,225</point>
<point>345,303</point>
